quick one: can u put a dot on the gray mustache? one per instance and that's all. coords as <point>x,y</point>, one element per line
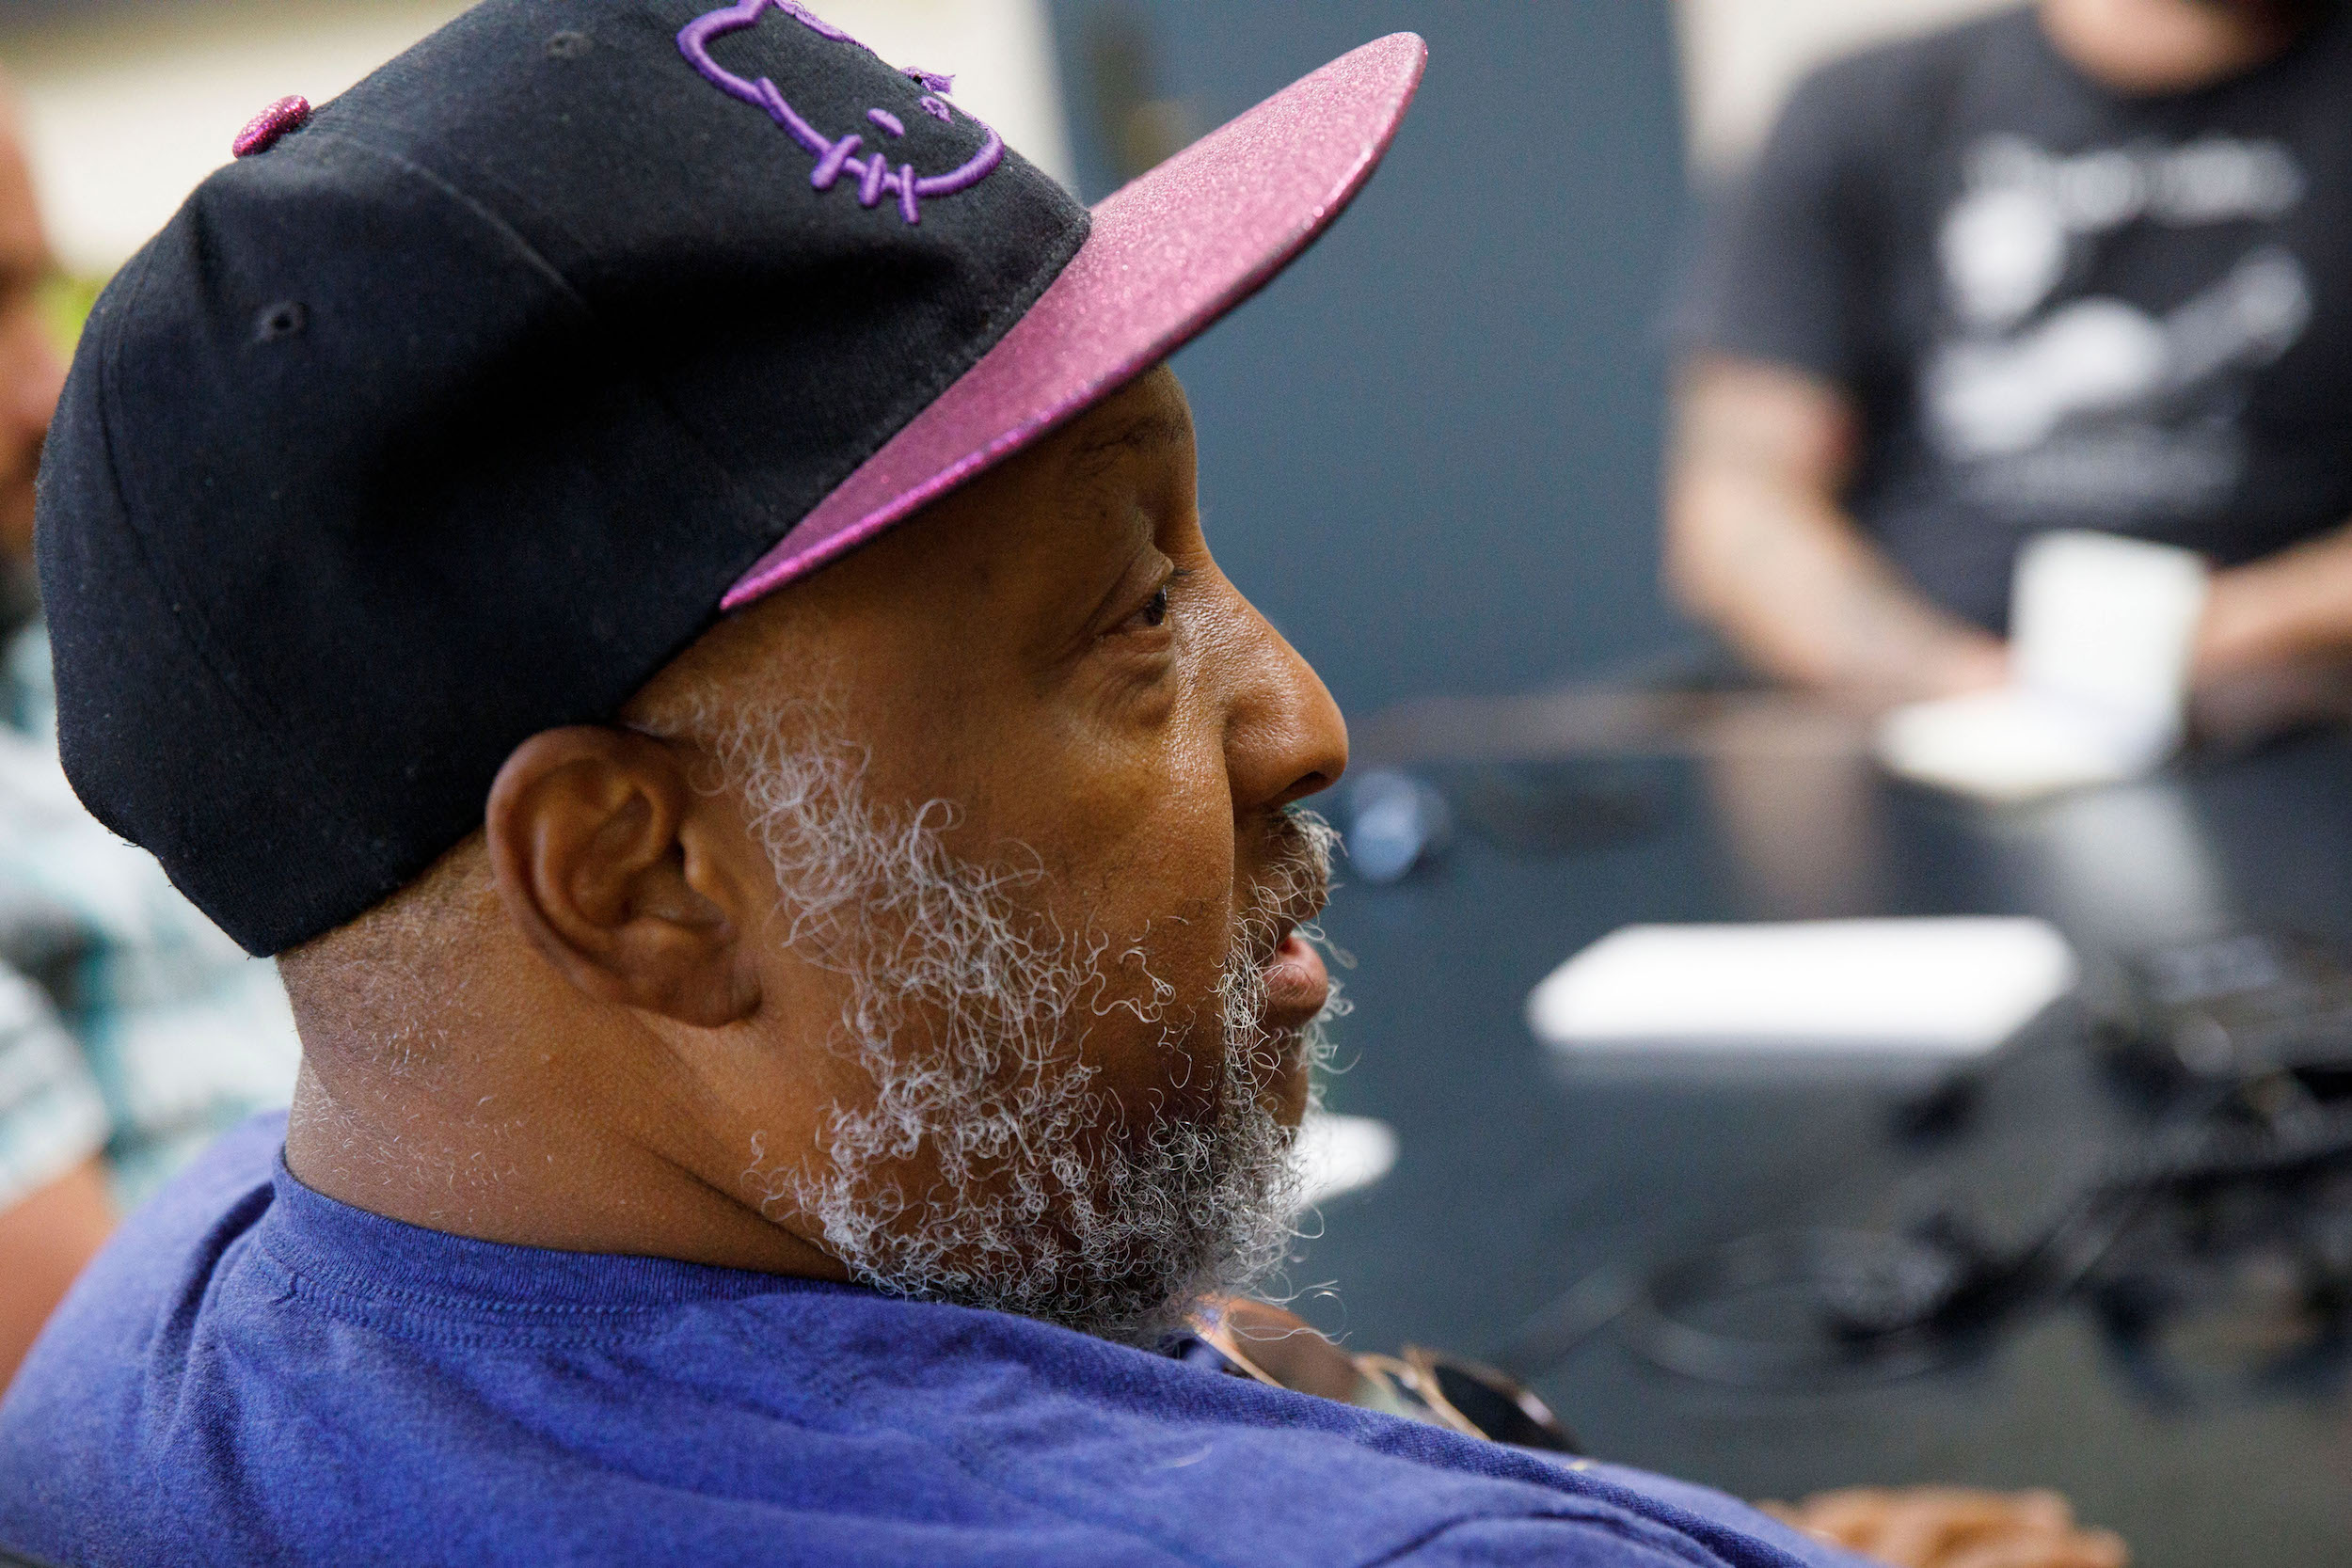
<point>1296,884</point>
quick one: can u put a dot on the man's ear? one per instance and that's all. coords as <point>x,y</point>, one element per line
<point>605,857</point>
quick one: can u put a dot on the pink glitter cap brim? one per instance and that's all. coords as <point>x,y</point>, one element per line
<point>1167,255</point>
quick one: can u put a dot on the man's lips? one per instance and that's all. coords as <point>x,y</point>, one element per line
<point>1297,985</point>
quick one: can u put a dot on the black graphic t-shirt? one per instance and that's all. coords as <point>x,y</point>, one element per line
<point>2059,306</point>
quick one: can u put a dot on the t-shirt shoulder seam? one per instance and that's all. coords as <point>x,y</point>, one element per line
<point>413,1315</point>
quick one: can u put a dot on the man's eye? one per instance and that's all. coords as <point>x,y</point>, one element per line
<point>1154,611</point>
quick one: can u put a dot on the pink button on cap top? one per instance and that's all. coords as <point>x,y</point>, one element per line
<point>262,132</point>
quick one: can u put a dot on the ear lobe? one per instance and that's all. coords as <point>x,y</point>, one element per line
<point>589,832</point>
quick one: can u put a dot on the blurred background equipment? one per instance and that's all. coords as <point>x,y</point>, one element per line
<point>1395,824</point>
<point>2241,1008</point>
<point>2232,1209</point>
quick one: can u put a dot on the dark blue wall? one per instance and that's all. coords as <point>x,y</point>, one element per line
<point>1430,451</point>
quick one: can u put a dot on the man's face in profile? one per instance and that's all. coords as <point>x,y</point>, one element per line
<point>31,372</point>
<point>1039,881</point>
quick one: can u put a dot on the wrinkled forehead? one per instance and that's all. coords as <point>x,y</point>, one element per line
<point>1022,539</point>
<point>1047,536</point>
<point>1149,420</point>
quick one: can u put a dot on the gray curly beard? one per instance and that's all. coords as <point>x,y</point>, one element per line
<point>968,1011</point>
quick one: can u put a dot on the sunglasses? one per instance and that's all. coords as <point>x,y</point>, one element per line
<point>1419,1385</point>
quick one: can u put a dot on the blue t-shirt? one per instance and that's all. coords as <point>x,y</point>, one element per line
<point>254,1373</point>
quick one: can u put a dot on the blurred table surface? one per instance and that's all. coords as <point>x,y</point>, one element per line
<point>1518,1174</point>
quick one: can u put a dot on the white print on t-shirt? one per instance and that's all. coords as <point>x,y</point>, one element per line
<point>2005,243</point>
<point>2058,408</point>
<point>1999,395</point>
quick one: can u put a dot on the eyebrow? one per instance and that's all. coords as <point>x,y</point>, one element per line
<point>1147,433</point>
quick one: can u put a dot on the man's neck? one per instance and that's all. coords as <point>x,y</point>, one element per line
<point>530,1160</point>
<point>2150,47</point>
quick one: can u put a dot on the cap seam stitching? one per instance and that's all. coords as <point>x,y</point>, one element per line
<point>531,255</point>
<point>267,723</point>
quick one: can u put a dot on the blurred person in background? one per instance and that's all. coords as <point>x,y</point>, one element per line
<point>131,1030</point>
<point>2084,264</point>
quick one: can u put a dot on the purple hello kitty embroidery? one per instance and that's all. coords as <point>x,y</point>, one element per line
<point>875,177</point>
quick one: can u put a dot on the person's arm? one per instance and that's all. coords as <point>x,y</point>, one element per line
<point>2276,646</point>
<point>1759,546</point>
<point>1918,1526</point>
<point>44,1240</point>
<point>1944,1526</point>
<point>53,1204</point>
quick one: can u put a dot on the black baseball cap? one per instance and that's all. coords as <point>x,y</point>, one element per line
<point>453,411</point>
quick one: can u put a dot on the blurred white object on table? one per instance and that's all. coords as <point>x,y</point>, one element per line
<point>1339,1154</point>
<point>1946,988</point>
<point>2101,635</point>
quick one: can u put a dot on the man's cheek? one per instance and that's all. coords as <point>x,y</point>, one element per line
<point>1157,1033</point>
<point>1167,881</point>
<point>1286,1099</point>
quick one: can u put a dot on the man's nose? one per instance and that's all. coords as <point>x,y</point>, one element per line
<point>1284,738</point>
